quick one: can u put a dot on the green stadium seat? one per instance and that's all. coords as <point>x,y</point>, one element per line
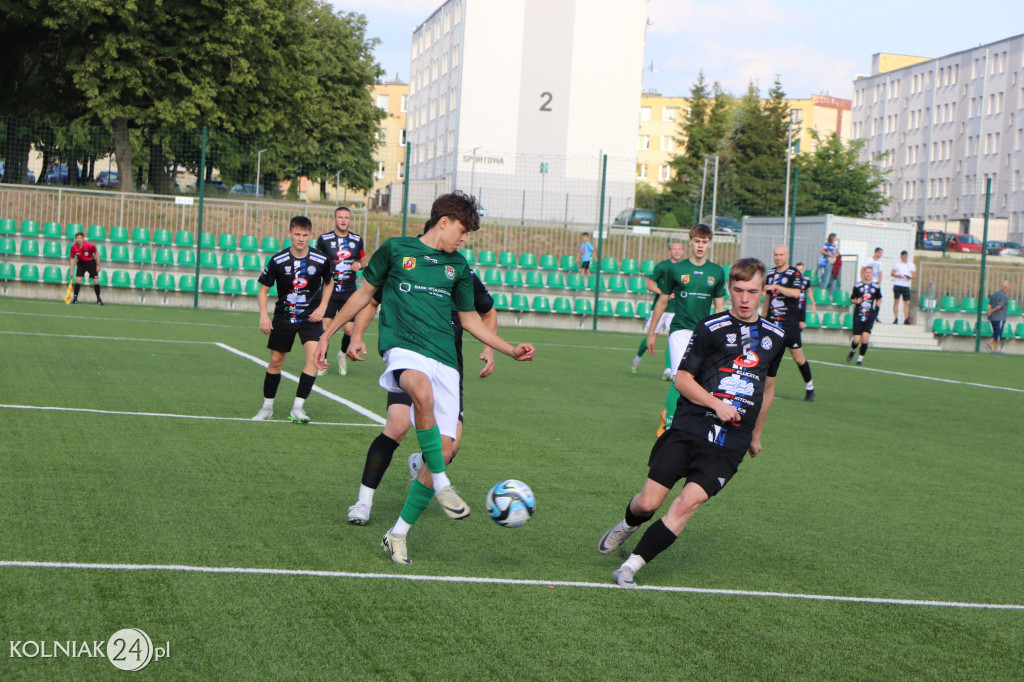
<point>1020,330</point>
<point>841,298</point>
<point>164,257</point>
<point>527,260</point>
<point>187,283</point>
<point>186,259</point>
<point>813,321</point>
<point>207,241</point>
<point>986,329</point>
<point>583,306</point>
<point>941,327</point>
<point>548,262</point>
<point>233,286</point>
<point>821,297</point>
<point>102,279</point>
<point>183,239</point>
<point>142,255</point>
<point>143,280</point>
<point>29,273</point>
<point>52,250</point>
<point>555,280</point>
<point>624,309</point>
<point>252,287</point>
<point>96,233</point>
<point>968,304</point>
<point>486,258</point>
<point>507,259</point>
<point>500,301</point>
<point>119,253</point>
<point>52,275</point>
<point>949,304</point>
<point>644,309</point>
<point>520,303</point>
<point>118,235</point>
<point>593,281</point>
<point>567,263</point>
<point>963,328</point>
<point>162,237</point>
<point>8,226</point>
<point>8,271</point>
<point>165,282</point>
<point>609,266</point>
<point>210,285</point>
<point>541,304</point>
<point>647,267</point>
<point>29,248</point>
<point>1013,308</point>
<point>29,228</point>
<point>248,243</point>
<point>492,277</point>
<point>71,229</point>
<point>513,278</point>
<point>604,308</point>
<point>638,285</point>
<point>227,242</point>
<point>140,236</point>
<point>8,247</point>
<point>562,305</point>
<point>927,303</point>
<point>286,244</point>
<point>229,260</point>
<point>469,255</point>
<point>831,321</point>
<point>208,259</point>
<point>251,262</point>
<point>270,245</point>
<point>52,230</point>
<point>617,284</point>
<point>812,278</point>
<point>101,251</point>
<point>575,282</point>
<point>534,279</point>
<point>848,321</point>
<point>120,279</point>
<point>629,267</point>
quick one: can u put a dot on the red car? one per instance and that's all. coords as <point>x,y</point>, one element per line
<point>964,243</point>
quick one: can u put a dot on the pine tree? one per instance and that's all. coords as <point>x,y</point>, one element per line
<point>832,180</point>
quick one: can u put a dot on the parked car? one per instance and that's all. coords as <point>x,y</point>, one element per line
<point>31,174</point>
<point>107,179</point>
<point>210,186</point>
<point>636,216</point>
<point>722,224</point>
<point>998,248</point>
<point>963,243</point>
<point>480,210</point>
<point>56,174</point>
<point>931,240</point>
<point>247,190</point>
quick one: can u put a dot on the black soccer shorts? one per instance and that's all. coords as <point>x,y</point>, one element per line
<point>677,454</point>
<point>282,336</point>
<point>336,303</point>
<point>86,266</point>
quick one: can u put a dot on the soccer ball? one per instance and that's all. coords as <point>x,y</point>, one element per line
<point>510,503</point>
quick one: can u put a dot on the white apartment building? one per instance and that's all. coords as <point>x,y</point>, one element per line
<point>948,124</point>
<point>516,101</point>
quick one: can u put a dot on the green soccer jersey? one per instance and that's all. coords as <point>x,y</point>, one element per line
<point>421,287</point>
<point>695,287</point>
<point>659,273</point>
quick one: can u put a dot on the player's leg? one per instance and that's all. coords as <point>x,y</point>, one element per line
<point>272,377</point>
<point>309,337</point>
<point>796,350</point>
<point>864,336</point>
<point>677,343</point>
<point>380,454</point>
<point>79,271</point>
<point>856,340</point>
<point>641,349</point>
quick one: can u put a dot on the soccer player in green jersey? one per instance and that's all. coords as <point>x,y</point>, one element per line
<point>424,279</point>
<point>675,254</point>
<point>693,287</point>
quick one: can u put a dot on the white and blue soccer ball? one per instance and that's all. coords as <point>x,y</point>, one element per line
<point>511,503</point>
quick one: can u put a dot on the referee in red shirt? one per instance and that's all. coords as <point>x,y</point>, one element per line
<point>84,258</point>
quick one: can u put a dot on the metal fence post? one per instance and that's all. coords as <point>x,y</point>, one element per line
<point>984,253</point>
<point>600,238</point>
<point>199,217</point>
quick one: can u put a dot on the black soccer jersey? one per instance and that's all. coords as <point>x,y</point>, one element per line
<point>342,251</point>
<point>731,360</point>
<point>784,310</point>
<point>870,295</point>
<point>300,283</point>
<point>802,309</point>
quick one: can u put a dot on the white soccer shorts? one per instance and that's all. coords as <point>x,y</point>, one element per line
<point>677,343</point>
<point>664,324</point>
<point>444,381</point>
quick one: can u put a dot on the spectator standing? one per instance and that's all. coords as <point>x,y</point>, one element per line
<point>827,259</point>
<point>586,255</point>
<point>997,303</point>
<point>902,275</point>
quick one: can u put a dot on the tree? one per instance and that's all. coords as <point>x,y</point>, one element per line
<point>833,181</point>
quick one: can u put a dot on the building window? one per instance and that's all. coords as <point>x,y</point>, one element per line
<point>641,171</point>
<point>380,170</point>
<point>382,135</point>
<point>667,142</point>
<point>455,56</point>
<point>404,104</point>
<point>402,138</point>
<point>669,113</point>
<point>645,113</point>
<point>644,142</point>
<point>664,173</point>
<point>382,102</point>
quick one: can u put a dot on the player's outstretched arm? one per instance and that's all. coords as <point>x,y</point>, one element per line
<point>265,324</point>
<point>356,302</point>
<point>357,347</point>
<point>766,403</point>
<point>659,310</point>
<point>490,318</point>
<point>472,323</point>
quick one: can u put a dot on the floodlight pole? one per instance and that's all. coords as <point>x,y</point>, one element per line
<point>259,156</point>
<point>472,169</point>
<point>703,184</point>
<point>714,199</point>
<point>789,156</point>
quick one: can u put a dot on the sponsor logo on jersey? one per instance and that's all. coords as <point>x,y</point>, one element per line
<point>404,287</point>
<point>766,343</point>
<point>344,254</point>
<point>730,338</point>
<point>300,283</point>
<point>719,325</point>
<point>287,269</point>
<point>449,272</point>
<point>748,359</point>
<point>409,262</point>
<point>311,270</point>
<point>432,260</point>
<point>685,279</point>
<point>711,281</point>
<point>736,385</point>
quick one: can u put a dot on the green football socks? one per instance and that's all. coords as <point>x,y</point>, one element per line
<point>416,502</point>
<point>430,445</point>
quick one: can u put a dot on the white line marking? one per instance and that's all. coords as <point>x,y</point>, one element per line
<point>163,414</point>
<point>104,338</point>
<point>919,376</point>
<point>498,581</point>
<point>119,319</point>
<point>327,394</point>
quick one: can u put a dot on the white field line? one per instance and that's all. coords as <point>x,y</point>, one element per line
<point>919,376</point>
<point>105,338</point>
<point>163,414</point>
<point>91,318</point>
<point>498,581</point>
<point>327,394</point>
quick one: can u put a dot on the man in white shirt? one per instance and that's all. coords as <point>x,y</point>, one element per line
<point>902,275</point>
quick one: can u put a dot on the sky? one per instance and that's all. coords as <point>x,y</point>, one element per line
<point>813,47</point>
